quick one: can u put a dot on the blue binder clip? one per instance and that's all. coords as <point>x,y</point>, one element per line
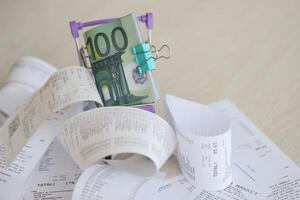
<point>144,58</point>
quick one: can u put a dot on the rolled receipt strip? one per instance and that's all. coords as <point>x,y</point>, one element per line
<point>64,88</point>
<point>100,132</point>
<point>91,135</point>
<point>203,143</point>
<point>27,75</point>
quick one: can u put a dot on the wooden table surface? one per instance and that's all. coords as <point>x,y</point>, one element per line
<point>246,51</point>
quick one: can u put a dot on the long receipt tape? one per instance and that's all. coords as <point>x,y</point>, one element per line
<point>203,150</point>
<point>100,132</point>
<point>94,134</point>
<point>201,135</point>
<point>20,85</point>
<point>203,143</point>
<point>72,85</point>
<point>88,137</point>
<point>64,88</point>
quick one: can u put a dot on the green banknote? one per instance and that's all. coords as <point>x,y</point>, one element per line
<point>113,63</point>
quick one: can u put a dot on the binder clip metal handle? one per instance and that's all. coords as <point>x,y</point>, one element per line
<point>145,60</point>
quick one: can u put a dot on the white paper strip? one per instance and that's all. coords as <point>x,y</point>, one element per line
<point>100,132</point>
<point>64,88</point>
<point>27,75</point>
<point>203,143</point>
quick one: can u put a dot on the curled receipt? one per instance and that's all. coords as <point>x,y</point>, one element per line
<point>87,136</point>
<point>203,143</point>
<point>64,88</point>
<point>100,132</point>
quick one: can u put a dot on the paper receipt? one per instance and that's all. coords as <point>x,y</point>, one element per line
<point>64,88</point>
<point>100,132</point>
<point>203,143</point>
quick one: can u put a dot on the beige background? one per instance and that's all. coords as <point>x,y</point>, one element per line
<point>246,51</point>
